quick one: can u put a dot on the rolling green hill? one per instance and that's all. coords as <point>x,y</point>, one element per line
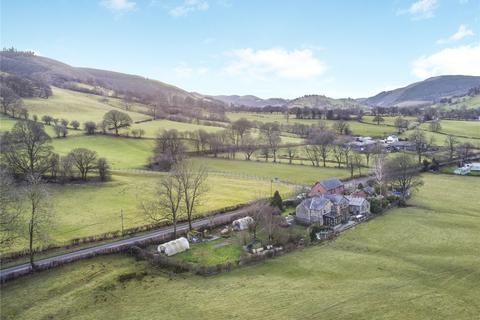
<point>71,105</point>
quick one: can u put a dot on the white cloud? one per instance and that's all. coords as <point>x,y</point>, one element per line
<point>183,71</point>
<point>458,60</point>
<point>118,5</point>
<point>261,64</point>
<point>461,33</point>
<point>189,6</point>
<point>421,9</point>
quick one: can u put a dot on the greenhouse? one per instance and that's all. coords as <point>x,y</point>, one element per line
<point>242,223</point>
<point>173,247</point>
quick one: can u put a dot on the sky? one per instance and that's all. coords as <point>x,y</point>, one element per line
<point>268,48</point>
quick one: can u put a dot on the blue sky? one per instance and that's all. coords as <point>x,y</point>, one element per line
<point>270,48</point>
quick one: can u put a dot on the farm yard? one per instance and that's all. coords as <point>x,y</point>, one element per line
<point>396,266</point>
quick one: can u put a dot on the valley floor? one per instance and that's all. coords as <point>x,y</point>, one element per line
<point>418,262</point>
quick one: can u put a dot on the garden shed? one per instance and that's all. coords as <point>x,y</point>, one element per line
<point>173,247</point>
<point>242,223</point>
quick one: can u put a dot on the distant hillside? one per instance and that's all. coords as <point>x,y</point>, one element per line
<point>323,102</point>
<point>250,101</point>
<point>425,92</point>
<point>63,75</point>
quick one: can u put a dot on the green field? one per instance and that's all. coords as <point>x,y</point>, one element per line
<point>71,105</point>
<point>121,152</point>
<point>358,128</point>
<point>418,262</point>
<point>153,127</point>
<point>467,101</point>
<point>7,123</point>
<point>293,173</point>
<point>88,209</point>
<point>458,128</point>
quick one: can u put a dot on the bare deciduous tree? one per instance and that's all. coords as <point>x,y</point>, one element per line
<point>270,135</point>
<point>320,143</point>
<point>85,160</point>
<point>10,210</point>
<point>403,174</point>
<point>192,181</point>
<point>451,143</point>
<point>117,120</point>
<point>26,150</point>
<point>420,142</point>
<point>166,204</point>
<point>40,214</point>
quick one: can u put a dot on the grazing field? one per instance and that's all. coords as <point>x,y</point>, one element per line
<point>71,105</point>
<point>387,120</point>
<point>153,127</point>
<point>358,128</point>
<point>418,262</point>
<point>88,209</point>
<point>120,152</point>
<point>458,128</point>
<point>293,173</point>
<point>7,123</point>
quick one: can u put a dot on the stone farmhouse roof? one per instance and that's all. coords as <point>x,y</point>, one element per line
<point>315,203</point>
<point>330,184</point>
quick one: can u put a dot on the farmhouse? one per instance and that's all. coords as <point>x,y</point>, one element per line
<point>340,210</point>
<point>391,139</point>
<point>332,186</point>
<point>312,210</point>
<point>358,205</point>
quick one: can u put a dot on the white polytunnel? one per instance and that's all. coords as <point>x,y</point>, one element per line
<point>173,247</point>
<point>242,223</point>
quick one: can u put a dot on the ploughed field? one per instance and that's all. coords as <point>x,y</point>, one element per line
<point>419,262</point>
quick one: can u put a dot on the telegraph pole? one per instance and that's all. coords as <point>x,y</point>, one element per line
<point>121,217</point>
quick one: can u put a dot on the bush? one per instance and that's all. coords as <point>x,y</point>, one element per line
<point>103,169</point>
<point>75,124</point>
<point>90,127</point>
<point>47,119</point>
<point>377,205</point>
<point>138,133</point>
<point>277,201</point>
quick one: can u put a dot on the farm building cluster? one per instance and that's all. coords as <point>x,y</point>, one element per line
<point>328,205</point>
<point>468,168</point>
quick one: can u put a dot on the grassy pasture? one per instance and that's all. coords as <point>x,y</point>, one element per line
<point>294,173</point>
<point>121,152</point>
<point>153,127</point>
<point>358,128</point>
<point>7,123</point>
<point>78,106</point>
<point>458,128</point>
<point>94,208</point>
<point>418,262</point>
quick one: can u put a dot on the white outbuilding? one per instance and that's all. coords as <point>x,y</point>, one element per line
<point>242,223</point>
<point>173,247</point>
